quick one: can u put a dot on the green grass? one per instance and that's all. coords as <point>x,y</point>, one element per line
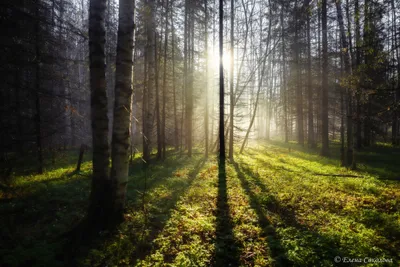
<point>271,207</point>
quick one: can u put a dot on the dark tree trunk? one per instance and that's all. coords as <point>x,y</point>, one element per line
<point>100,198</point>
<point>324,95</point>
<point>38,120</point>
<point>310,139</point>
<point>232,105</point>
<point>221,83</point>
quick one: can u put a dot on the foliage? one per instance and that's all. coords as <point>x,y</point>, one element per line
<point>282,208</point>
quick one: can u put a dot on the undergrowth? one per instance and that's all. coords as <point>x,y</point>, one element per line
<point>273,206</point>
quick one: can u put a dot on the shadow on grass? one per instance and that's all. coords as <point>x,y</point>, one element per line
<point>379,161</point>
<point>275,247</point>
<point>141,234</point>
<point>157,220</point>
<point>323,247</point>
<point>32,224</point>
<point>226,250</point>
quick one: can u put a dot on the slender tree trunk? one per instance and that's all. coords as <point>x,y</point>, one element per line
<point>221,83</point>
<point>122,107</point>
<point>284,88</point>
<point>368,44</point>
<point>150,82</point>
<point>185,67</point>
<point>100,198</point>
<point>164,92</point>
<point>358,62</point>
<point>396,112</point>
<point>176,135</point>
<point>157,76</point>
<point>206,85</point>
<point>232,106</point>
<point>319,91</point>
<point>38,120</point>
<point>342,113</point>
<point>310,139</point>
<point>348,71</point>
<point>299,93</point>
<point>324,96</point>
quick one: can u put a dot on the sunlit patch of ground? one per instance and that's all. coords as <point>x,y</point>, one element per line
<point>271,207</point>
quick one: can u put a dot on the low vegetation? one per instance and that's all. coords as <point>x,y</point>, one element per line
<point>273,206</point>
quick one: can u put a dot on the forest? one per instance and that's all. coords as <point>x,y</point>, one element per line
<point>199,133</point>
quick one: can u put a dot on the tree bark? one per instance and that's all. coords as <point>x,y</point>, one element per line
<point>122,107</point>
<point>284,88</point>
<point>348,71</point>
<point>221,83</point>
<point>310,136</point>
<point>232,105</point>
<point>100,197</point>
<point>164,93</point>
<point>150,81</point>
<point>176,135</point>
<point>206,85</point>
<point>324,95</point>
<point>396,112</point>
<point>38,120</point>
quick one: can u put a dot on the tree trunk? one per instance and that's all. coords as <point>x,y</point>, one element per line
<point>299,93</point>
<point>80,159</point>
<point>395,122</point>
<point>38,120</point>
<point>206,78</point>
<point>284,88</point>
<point>232,106</point>
<point>310,137</point>
<point>324,95</point>
<point>348,71</point>
<point>164,93</point>
<point>176,135</point>
<point>156,80</point>
<point>100,198</point>
<point>221,83</point>
<point>358,62</point>
<point>150,83</point>
<point>122,107</point>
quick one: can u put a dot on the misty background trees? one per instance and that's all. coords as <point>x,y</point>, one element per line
<point>313,72</point>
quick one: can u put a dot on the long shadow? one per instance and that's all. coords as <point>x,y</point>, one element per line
<point>369,218</point>
<point>151,176</point>
<point>288,216</point>
<point>226,249</point>
<point>58,205</point>
<point>277,253</point>
<point>377,160</point>
<point>157,221</point>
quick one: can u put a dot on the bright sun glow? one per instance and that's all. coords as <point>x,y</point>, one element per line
<point>214,59</point>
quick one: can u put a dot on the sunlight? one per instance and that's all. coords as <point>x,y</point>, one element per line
<point>226,60</point>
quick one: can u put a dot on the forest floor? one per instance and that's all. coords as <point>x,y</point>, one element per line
<point>273,206</point>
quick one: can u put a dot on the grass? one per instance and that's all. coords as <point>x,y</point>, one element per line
<point>271,207</point>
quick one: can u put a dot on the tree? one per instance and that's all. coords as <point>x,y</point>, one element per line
<point>324,95</point>
<point>310,136</point>
<point>122,106</point>
<point>206,122</point>
<point>232,105</point>
<point>221,83</point>
<point>164,92</point>
<point>149,79</point>
<point>100,198</point>
<point>348,70</point>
